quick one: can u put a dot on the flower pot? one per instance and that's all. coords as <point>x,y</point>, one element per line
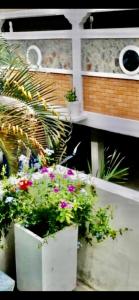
<point>7,253</point>
<point>42,266</point>
<point>74,108</point>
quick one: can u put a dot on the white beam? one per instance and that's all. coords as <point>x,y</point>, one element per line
<point>110,33</point>
<point>97,10</point>
<point>111,124</point>
<point>23,13</point>
<point>19,13</point>
<point>35,35</point>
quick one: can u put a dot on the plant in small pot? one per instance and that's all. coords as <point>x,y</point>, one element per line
<point>73,103</point>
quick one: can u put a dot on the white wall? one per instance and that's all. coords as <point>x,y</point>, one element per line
<point>114,265</point>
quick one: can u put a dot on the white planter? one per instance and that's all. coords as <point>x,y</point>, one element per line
<point>42,266</point>
<point>74,108</point>
<point>7,253</point>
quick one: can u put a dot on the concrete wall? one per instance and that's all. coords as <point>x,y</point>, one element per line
<point>114,265</point>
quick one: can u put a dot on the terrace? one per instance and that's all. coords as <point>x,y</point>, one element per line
<point>78,48</point>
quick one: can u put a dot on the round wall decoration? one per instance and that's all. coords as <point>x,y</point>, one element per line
<point>34,56</point>
<point>129,60</point>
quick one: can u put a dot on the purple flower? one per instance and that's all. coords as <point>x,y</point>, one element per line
<point>71,188</point>
<point>63,204</point>
<point>70,172</point>
<point>52,176</point>
<point>44,170</point>
<point>56,189</point>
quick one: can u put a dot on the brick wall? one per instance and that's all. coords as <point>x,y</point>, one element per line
<point>110,96</point>
<point>116,97</point>
<point>61,84</point>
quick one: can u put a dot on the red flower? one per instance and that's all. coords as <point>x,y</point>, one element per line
<point>24,184</point>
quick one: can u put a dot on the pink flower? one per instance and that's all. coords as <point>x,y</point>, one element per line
<point>56,189</point>
<point>63,204</point>
<point>70,172</point>
<point>71,188</point>
<point>44,170</point>
<point>52,176</point>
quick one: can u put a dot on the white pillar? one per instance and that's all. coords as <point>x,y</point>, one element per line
<point>97,157</point>
<point>1,23</point>
<point>77,17</point>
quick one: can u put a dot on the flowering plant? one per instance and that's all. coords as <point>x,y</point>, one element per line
<point>47,201</point>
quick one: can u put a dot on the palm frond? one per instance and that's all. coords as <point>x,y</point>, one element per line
<point>31,105</point>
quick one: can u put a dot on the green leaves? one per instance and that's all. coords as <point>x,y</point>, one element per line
<point>110,168</point>
<point>28,110</point>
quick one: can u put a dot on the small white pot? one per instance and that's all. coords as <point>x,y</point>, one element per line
<point>42,266</point>
<point>74,108</point>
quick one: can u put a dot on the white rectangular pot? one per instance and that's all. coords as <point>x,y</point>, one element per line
<point>7,253</point>
<point>42,266</point>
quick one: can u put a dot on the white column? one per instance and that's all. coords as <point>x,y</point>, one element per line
<point>77,17</point>
<point>1,23</point>
<point>97,157</point>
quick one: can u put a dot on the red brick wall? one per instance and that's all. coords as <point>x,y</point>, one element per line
<point>111,96</point>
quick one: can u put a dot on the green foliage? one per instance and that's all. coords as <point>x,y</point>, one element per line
<point>28,113</point>
<point>47,201</point>
<point>110,168</point>
<point>71,95</point>
<point>9,55</point>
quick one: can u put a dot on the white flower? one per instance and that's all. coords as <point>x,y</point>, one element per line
<point>1,194</point>
<point>13,180</point>
<point>37,165</point>
<point>83,191</point>
<point>49,152</point>
<point>9,199</point>
<point>24,159</point>
<point>36,176</point>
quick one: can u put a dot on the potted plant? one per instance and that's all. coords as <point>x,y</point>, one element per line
<point>52,211</point>
<point>29,120</point>
<point>73,103</point>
